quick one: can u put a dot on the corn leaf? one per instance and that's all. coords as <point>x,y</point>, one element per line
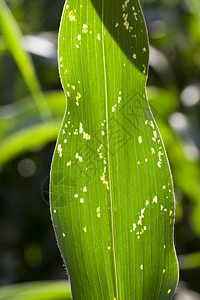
<point>112,199</point>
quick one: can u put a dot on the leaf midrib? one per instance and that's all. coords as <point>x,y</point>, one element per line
<point>108,153</point>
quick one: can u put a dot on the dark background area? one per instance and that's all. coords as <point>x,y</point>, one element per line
<point>28,249</point>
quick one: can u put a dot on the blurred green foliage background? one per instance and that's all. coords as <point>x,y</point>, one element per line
<point>31,109</point>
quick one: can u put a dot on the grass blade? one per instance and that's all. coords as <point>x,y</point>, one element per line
<point>13,39</point>
<point>45,290</point>
<point>21,128</point>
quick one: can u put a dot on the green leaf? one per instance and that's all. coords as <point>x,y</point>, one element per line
<point>45,290</point>
<point>112,199</point>
<point>13,39</point>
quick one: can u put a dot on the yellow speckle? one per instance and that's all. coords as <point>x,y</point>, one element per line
<point>152,124</point>
<point>144,70</point>
<point>164,187</point>
<point>63,234</point>
<point>134,56</point>
<point>98,37</point>
<point>86,136</point>
<point>100,155</point>
<point>72,16</point>
<point>155,134</point>
<point>109,248</point>
<point>60,150</point>
<point>141,267</point>
<point>155,199</point>
<point>85,189</point>
<point>54,211</point>
<point>146,159</point>
<point>170,212</point>
<point>139,139</point>
<point>147,202</point>
<point>135,15</point>
<point>76,196</point>
<point>159,164</point>
<point>80,127</point>
<point>85,229</point>
<point>161,207</point>
<point>98,209</point>
<point>85,28</point>
<point>164,271</point>
<point>103,132</point>
<point>65,141</point>
<point>77,156</point>
<point>82,200</point>
<point>160,155</point>
<point>79,37</point>
<point>126,3</point>
<point>169,291</point>
<point>69,163</point>
<point>152,150</point>
<point>144,50</point>
<point>76,131</point>
<point>138,162</point>
<point>98,215</point>
<point>116,25</point>
<point>77,46</point>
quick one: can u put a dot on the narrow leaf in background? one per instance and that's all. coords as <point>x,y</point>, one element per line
<point>13,40</point>
<point>112,199</point>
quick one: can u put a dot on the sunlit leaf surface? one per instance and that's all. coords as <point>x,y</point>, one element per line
<point>112,199</point>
